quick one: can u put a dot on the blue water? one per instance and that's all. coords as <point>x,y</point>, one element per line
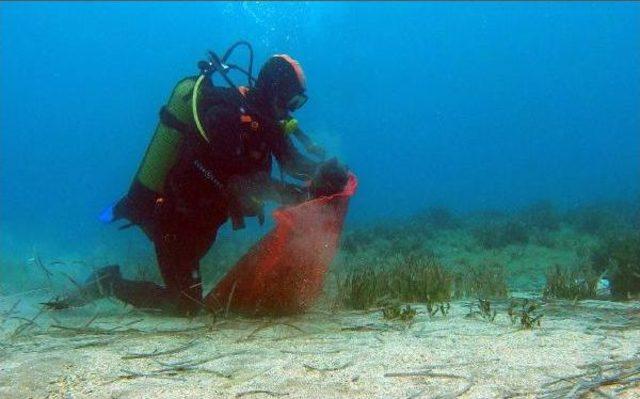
<point>488,105</point>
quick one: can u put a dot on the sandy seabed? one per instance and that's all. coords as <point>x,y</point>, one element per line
<point>585,349</point>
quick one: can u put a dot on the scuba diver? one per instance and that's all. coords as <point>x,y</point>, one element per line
<point>210,160</point>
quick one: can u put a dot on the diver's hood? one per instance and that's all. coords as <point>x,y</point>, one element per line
<point>280,79</point>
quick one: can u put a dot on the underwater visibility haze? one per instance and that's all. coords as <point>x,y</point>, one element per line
<point>488,154</point>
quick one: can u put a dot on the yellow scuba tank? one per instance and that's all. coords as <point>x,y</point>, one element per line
<point>162,152</point>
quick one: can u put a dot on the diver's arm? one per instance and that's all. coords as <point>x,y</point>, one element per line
<point>291,161</point>
<point>309,145</point>
<point>261,187</point>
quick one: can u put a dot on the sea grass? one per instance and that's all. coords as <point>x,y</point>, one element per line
<point>159,353</point>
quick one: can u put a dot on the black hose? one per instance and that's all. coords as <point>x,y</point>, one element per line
<point>230,50</point>
<point>243,71</point>
<point>218,64</point>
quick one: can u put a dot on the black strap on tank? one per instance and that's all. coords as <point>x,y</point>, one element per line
<point>170,120</point>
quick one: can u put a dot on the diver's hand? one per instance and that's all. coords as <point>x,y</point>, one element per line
<point>330,178</point>
<point>292,194</point>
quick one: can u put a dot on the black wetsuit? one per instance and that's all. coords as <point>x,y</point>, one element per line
<point>206,187</point>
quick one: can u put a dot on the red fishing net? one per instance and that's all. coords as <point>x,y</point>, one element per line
<point>283,273</point>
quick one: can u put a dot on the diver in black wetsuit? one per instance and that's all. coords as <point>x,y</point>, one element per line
<point>211,160</point>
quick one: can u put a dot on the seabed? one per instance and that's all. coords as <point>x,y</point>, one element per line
<point>584,348</point>
<point>581,349</point>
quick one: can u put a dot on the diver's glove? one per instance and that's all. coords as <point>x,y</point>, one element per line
<point>329,179</point>
<point>99,285</point>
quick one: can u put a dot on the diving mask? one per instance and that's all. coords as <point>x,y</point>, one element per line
<point>297,101</point>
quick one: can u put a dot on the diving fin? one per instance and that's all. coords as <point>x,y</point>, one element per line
<point>99,285</point>
<point>107,215</point>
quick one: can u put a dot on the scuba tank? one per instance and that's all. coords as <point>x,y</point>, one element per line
<point>162,152</point>
<point>180,115</point>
